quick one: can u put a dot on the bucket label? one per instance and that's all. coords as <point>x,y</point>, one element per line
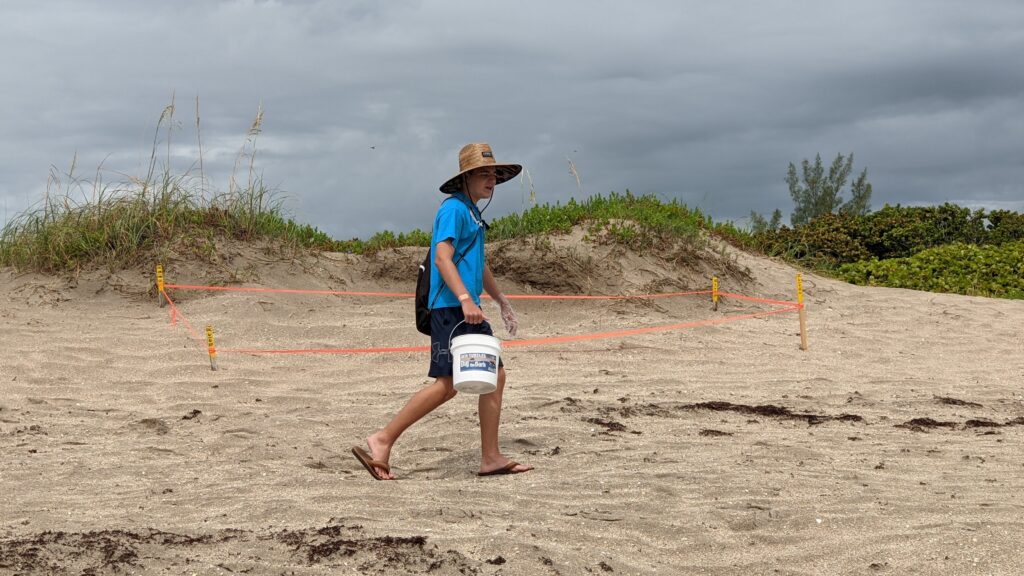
<point>478,361</point>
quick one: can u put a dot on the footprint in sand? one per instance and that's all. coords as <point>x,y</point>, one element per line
<point>154,425</point>
<point>240,432</point>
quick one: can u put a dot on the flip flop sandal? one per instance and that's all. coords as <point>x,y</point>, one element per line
<point>369,463</point>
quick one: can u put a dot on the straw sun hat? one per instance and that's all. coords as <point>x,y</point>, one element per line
<point>479,155</point>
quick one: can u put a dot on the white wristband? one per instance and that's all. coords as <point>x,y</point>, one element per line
<point>463,297</point>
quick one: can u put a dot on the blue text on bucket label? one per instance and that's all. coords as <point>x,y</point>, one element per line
<point>478,361</point>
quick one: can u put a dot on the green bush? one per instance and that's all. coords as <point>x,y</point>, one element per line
<point>1005,226</point>
<point>892,232</point>
<point>990,270</point>
<point>824,243</point>
<point>898,232</point>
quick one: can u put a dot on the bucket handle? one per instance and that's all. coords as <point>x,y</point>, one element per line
<point>452,333</point>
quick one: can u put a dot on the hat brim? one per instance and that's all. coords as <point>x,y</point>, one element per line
<point>505,172</point>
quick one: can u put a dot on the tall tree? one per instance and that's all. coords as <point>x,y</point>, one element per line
<point>817,194</point>
<point>758,225</point>
<point>860,196</point>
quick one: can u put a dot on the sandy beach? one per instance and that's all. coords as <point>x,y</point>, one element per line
<point>890,446</point>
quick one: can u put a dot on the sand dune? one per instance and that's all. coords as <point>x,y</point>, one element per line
<point>891,446</point>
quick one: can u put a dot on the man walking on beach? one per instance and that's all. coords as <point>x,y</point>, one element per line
<point>460,270</point>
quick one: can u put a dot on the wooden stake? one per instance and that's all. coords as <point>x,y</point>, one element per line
<point>803,312</point>
<point>160,285</point>
<point>714,292</point>
<point>210,347</point>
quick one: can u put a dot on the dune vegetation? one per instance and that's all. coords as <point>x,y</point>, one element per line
<point>946,248</point>
<point>89,224</point>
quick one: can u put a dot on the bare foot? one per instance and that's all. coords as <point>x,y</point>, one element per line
<point>380,449</point>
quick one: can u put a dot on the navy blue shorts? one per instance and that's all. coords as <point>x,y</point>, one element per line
<point>442,320</point>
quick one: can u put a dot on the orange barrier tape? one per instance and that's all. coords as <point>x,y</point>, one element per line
<point>175,314</point>
<point>411,295</point>
<point>289,291</point>
<point>787,306</point>
<point>647,330</point>
<point>327,350</point>
<point>533,342</point>
<point>574,297</point>
<point>759,300</point>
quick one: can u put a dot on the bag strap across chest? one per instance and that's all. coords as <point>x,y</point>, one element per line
<point>482,225</point>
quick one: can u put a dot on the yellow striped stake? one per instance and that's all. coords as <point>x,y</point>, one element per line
<point>803,313</point>
<point>160,285</point>
<point>714,291</point>
<point>210,347</point>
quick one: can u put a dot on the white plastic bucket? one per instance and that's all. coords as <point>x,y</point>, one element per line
<point>475,363</point>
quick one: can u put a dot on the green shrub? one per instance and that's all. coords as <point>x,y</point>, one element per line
<point>989,270</point>
<point>824,243</point>
<point>1005,226</point>
<point>892,232</point>
<point>898,232</point>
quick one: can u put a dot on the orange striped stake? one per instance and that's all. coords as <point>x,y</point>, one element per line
<point>803,312</point>
<point>160,285</point>
<point>714,292</point>
<point>210,347</point>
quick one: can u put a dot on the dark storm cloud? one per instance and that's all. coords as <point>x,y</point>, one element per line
<point>366,103</point>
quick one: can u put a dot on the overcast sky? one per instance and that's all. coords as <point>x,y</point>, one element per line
<point>366,103</point>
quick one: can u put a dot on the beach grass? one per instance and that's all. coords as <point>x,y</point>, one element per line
<point>81,223</point>
<point>88,223</point>
<point>119,224</point>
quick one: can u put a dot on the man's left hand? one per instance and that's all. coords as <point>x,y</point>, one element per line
<point>508,316</point>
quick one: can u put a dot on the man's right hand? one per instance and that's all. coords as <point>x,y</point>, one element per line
<point>473,313</point>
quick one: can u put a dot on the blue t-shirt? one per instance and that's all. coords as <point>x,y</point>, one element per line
<point>459,221</point>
